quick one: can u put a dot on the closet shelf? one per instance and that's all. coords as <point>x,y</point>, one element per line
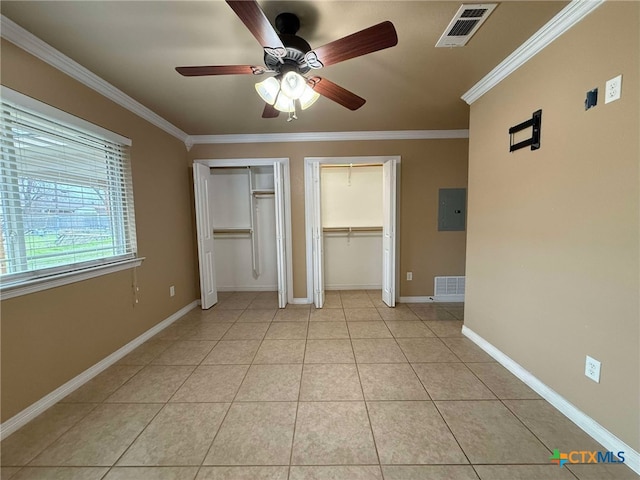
<point>351,229</point>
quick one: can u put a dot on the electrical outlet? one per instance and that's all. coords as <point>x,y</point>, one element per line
<point>592,369</point>
<point>613,89</point>
<point>409,276</point>
<point>172,291</point>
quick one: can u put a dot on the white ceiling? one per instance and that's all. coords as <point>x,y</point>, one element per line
<point>136,46</point>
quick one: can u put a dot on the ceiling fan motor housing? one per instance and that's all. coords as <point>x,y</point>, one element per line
<point>296,47</point>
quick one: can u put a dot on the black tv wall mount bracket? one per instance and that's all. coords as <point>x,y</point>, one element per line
<point>535,123</point>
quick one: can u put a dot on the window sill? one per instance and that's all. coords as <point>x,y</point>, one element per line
<point>37,285</point>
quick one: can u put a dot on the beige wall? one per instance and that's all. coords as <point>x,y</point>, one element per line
<point>51,336</point>
<point>426,166</point>
<point>553,243</point>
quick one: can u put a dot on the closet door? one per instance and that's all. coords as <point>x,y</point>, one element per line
<point>318,242</point>
<point>204,228</point>
<point>278,184</point>
<point>389,233</point>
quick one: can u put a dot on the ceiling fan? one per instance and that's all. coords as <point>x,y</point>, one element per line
<point>291,58</point>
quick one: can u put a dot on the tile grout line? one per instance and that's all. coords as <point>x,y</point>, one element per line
<point>366,406</point>
<point>228,409</point>
<point>295,420</point>
<point>96,405</point>
<point>161,408</point>
<point>506,406</point>
<point>455,438</point>
<point>199,467</point>
<point>357,364</point>
<point>436,406</point>
<point>524,425</point>
<point>364,397</point>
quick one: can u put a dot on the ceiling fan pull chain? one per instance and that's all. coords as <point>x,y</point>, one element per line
<point>292,112</point>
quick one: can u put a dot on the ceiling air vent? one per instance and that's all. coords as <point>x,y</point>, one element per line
<point>465,23</point>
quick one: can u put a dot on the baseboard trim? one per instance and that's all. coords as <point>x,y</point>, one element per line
<point>300,301</point>
<point>35,409</point>
<point>266,288</point>
<point>352,287</point>
<point>577,416</point>
<point>434,299</point>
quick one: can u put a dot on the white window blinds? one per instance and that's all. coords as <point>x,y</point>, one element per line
<point>66,194</point>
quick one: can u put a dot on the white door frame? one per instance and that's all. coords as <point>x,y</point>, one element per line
<point>286,183</point>
<point>310,193</point>
<point>204,234</point>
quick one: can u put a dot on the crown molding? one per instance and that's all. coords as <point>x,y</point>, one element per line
<point>329,136</point>
<point>20,37</point>
<point>25,40</point>
<point>563,21</point>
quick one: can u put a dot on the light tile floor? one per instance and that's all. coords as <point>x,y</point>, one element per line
<point>355,391</point>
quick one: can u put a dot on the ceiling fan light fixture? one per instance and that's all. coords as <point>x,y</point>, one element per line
<point>308,97</point>
<point>268,90</point>
<point>284,103</point>
<point>293,85</point>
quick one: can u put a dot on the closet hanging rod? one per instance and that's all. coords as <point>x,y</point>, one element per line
<point>224,167</point>
<point>262,192</point>
<point>232,230</point>
<point>351,229</point>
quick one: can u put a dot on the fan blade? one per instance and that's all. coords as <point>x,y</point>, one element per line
<point>365,41</point>
<point>220,70</point>
<point>336,93</point>
<point>256,21</point>
<point>269,111</point>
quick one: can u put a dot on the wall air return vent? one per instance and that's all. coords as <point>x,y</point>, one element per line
<point>465,23</point>
<point>446,286</point>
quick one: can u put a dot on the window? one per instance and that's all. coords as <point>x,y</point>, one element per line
<point>66,196</point>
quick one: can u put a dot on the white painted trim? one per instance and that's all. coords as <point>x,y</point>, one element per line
<point>28,42</point>
<point>308,225</point>
<point>251,288</point>
<point>352,287</point>
<point>12,96</point>
<point>253,162</point>
<point>417,299</point>
<point>240,162</point>
<point>308,202</point>
<point>301,301</point>
<point>562,22</point>
<point>449,298</point>
<point>45,283</point>
<point>328,136</point>
<point>35,409</point>
<point>433,299</point>
<point>581,419</point>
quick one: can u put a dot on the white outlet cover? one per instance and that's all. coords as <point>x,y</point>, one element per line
<point>613,89</point>
<point>592,369</point>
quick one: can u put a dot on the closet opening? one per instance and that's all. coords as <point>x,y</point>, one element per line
<point>351,203</point>
<point>351,225</point>
<point>243,226</point>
